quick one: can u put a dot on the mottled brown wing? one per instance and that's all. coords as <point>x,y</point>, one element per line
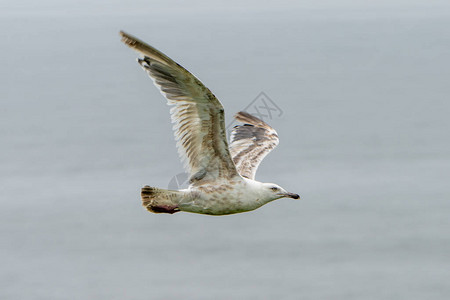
<point>198,116</point>
<point>250,143</point>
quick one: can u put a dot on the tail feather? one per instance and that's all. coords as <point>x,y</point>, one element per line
<point>160,200</point>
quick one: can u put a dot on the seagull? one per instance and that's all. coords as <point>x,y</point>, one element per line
<point>221,174</point>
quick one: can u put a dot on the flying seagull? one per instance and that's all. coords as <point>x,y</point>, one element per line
<point>222,175</point>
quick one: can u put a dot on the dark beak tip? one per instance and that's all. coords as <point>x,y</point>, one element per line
<point>293,196</point>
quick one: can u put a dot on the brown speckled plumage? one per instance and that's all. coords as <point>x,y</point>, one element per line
<point>250,143</point>
<point>221,177</point>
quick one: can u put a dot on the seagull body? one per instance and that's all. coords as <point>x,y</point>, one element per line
<point>222,175</point>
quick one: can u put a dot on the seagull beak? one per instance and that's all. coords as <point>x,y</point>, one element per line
<point>292,195</point>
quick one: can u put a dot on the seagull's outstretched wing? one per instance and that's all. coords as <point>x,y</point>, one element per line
<point>198,116</point>
<point>250,143</point>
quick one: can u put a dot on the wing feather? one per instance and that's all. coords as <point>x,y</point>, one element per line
<point>198,116</point>
<point>250,143</point>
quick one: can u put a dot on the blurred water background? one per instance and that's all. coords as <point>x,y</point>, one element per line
<point>364,140</point>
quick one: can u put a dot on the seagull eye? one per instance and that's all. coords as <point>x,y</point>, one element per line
<point>274,189</point>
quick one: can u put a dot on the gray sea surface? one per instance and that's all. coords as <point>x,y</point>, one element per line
<point>364,139</point>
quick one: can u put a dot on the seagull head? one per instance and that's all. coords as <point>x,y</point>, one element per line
<point>274,191</point>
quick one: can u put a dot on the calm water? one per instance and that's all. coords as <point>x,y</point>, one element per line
<point>364,140</point>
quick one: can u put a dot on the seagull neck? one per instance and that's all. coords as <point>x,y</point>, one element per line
<point>258,189</point>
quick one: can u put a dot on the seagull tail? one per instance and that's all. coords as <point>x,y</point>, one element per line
<point>158,200</point>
